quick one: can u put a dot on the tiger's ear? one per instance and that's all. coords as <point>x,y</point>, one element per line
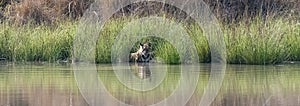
<point>141,44</point>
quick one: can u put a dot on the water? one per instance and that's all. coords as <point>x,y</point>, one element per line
<point>243,85</point>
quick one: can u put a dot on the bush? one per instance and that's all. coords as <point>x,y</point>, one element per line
<point>48,11</point>
<point>44,11</point>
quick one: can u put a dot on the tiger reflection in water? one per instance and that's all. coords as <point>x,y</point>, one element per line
<point>141,59</point>
<point>141,70</point>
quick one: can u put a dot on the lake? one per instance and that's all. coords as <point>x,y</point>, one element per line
<point>42,84</point>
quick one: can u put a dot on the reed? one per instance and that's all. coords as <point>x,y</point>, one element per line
<point>36,43</point>
<point>260,41</point>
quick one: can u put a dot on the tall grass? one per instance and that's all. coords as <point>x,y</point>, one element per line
<point>36,43</point>
<point>294,40</point>
<point>256,32</point>
<point>261,42</point>
<point>257,42</point>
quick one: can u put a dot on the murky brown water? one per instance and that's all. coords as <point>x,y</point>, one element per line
<point>243,85</point>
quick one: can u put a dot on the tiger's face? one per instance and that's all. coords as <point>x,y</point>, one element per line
<point>143,54</point>
<point>146,52</point>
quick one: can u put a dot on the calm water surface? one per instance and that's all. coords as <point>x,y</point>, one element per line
<point>55,85</point>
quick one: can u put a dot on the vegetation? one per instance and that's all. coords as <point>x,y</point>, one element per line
<point>36,43</point>
<point>254,34</point>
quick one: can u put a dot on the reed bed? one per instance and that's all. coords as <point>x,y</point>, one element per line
<point>255,32</point>
<point>262,42</point>
<point>258,42</point>
<point>36,43</point>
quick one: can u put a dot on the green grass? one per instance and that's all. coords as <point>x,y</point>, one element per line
<point>259,42</point>
<point>256,42</point>
<point>36,43</point>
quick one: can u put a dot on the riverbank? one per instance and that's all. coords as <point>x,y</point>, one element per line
<point>256,42</point>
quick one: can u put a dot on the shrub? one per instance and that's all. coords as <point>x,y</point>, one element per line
<point>44,11</point>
